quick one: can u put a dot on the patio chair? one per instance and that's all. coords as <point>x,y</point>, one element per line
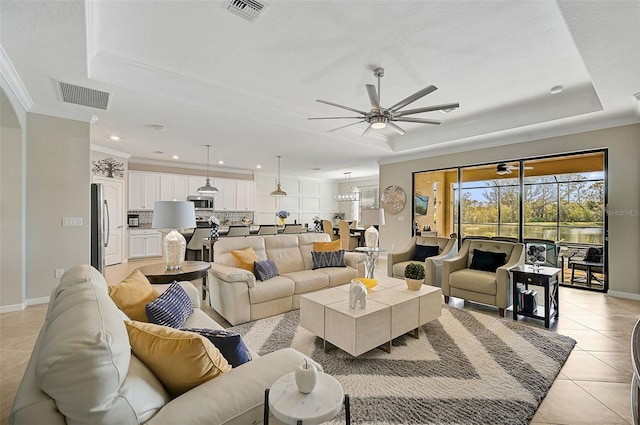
<point>592,262</point>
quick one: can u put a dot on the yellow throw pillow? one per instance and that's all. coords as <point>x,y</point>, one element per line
<point>245,258</point>
<point>133,294</point>
<point>180,360</point>
<point>327,246</point>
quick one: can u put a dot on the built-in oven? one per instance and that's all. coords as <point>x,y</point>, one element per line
<point>201,202</point>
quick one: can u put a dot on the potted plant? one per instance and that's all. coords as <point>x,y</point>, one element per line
<point>414,276</point>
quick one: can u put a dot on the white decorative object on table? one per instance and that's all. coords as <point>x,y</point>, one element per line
<point>306,377</point>
<point>357,294</point>
<point>372,217</point>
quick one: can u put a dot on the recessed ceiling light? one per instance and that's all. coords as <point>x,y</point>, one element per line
<point>114,138</point>
<point>556,89</point>
<point>221,162</point>
<point>156,127</point>
<point>158,152</point>
<point>175,157</point>
<point>258,166</point>
<point>316,169</point>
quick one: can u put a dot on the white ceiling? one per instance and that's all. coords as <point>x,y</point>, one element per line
<point>211,77</point>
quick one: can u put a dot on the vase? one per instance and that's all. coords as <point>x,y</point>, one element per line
<point>215,233</point>
<point>371,237</point>
<point>282,221</point>
<point>414,284</point>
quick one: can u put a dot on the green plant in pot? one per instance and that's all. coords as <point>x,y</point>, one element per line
<point>414,276</point>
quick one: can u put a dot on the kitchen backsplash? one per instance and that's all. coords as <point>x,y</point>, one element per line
<point>225,217</point>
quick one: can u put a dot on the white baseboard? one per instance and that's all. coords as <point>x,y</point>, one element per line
<point>13,307</point>
<point>628,295</point>
<point>36,301</point>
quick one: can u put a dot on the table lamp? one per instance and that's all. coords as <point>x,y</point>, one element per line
<point>173,215</point>
<point>374,217</point>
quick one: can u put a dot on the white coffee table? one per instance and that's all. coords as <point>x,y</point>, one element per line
<point>293,407</point>
<point>392,310</point>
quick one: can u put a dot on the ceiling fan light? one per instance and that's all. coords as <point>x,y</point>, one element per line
<point>378,123</point>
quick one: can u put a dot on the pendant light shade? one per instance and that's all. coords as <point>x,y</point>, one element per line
<point>278,191</point>
<point>207,189</point>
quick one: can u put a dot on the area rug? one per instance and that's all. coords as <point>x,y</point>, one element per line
<point>465,368</point>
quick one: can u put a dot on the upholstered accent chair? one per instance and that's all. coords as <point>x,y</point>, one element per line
<point>349,243</point>
<point>480,272</point>
<point>327,227</point>
<point>446,248</point>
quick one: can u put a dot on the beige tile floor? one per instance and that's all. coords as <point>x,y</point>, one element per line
<point>593,387</point>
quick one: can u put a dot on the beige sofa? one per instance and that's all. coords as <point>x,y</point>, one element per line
<point>239,297</point>
<point>82,370</point>
<point>458,280</point>
<point>397,261</point>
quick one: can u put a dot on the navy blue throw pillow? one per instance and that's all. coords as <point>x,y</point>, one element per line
<point>265,270</point>
<point>171,308</point>
<point>230,344</point>
<point>321,259</point>
<point>423,251</point>
<point>487,261</point>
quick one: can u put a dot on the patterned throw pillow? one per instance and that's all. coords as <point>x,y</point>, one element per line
<point>423,251</point>
<point>171,308</point>
<point>265,270</point>
<point>229,343</point>
<point>245,258</point>
<point>327,259</point>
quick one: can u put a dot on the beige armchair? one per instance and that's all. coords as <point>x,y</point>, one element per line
<point>485,287</point>
<point>397,261</point>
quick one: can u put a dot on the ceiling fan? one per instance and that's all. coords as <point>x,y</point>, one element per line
<point>503,168</point>
<point>379,117</point>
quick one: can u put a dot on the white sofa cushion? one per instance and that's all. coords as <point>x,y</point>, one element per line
<point>95,348</point>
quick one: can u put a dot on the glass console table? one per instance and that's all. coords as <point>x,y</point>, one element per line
<point>370,261</point>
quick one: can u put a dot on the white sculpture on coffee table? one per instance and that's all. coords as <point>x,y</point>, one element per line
<point>357,293</point>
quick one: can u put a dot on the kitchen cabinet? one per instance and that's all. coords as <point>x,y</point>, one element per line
<point>174,187</point>
<point>245,195</point>
<point>225,199</point>
<point>145,243</point>
<point>144,190</point>
<point>194,183</point>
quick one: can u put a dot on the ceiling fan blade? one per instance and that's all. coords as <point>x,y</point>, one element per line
<point>345,126</point>
<point>428,109</point>
<point>373,97</point>
<point>334,118</point>
<point>418,120</point>
<point>417,95</point>
<point>397,128</point>
<point>366,131</point>
<point>341,106</point>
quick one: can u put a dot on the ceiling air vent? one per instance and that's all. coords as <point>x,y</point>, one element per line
<point>250,10</point>
<point>83,96</point>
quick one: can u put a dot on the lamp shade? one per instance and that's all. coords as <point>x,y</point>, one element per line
<point>373,216</point>
<point>173,215</point>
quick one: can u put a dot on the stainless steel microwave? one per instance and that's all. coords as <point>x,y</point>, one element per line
<point>201,202</point>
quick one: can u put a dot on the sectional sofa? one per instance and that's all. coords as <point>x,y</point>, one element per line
<point>239,297</point>
<point>82,369</point>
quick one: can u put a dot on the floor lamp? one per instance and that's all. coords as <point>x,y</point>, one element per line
<point>173,215</point>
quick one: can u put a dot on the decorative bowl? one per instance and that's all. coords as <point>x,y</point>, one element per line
<point>369,283</point>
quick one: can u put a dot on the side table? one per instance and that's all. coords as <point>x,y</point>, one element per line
<point>295,408</point>
<point>370,261</point>
<point>191,270</point>
<point>547,277</point>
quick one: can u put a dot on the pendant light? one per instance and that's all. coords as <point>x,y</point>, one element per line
<point>278,191</point>
<point>207,189</point>
<point>348,194</point>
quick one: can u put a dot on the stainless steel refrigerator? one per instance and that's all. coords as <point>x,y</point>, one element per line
<point>99,226</point>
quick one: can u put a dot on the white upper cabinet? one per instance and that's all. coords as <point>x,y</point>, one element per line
<point>245,195</point>
<point>225,199</point>
<point>173,187</point>
<point>194,183</point>
<point>144,190</point>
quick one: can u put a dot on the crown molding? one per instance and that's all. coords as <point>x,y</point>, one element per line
<point>160,163</point>
<point>55,112</point>
<point>14,81</point>
<point>109,151</point>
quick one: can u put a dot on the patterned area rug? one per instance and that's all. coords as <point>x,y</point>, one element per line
<point>466,368</point>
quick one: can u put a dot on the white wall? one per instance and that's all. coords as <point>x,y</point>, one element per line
<point>305,199</point>
<point>58,185</point>
<point>623,144</point>
<point>12,189</point>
